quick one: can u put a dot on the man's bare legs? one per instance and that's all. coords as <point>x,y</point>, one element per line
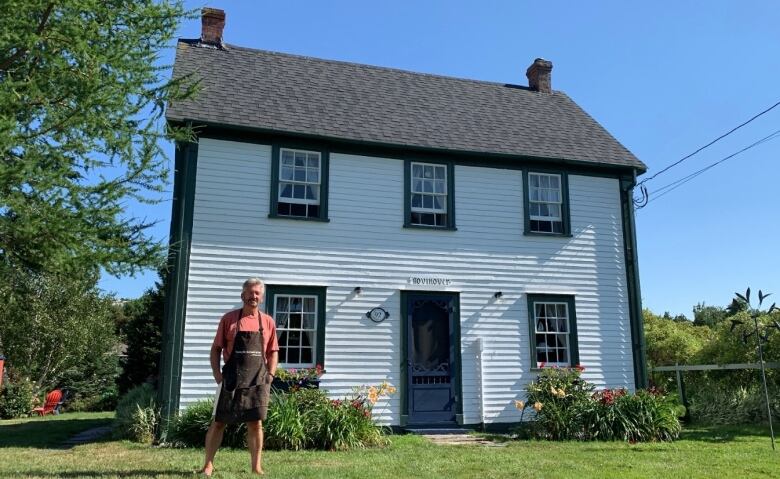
<point>213,440</point>
<point>254,440</point>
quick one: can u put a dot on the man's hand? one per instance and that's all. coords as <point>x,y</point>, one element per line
<point>217,377</point>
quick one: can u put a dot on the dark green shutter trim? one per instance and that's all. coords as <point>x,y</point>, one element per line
<point>458,359</point>
<point>320,292</point>
<point>185,171</point>
<point>565,214</point>
<point>574,348</point>
<point>632,279</point>
<point>450,226</point>
<point>388,150</point>
<point>404,357</point>
<point>276,147</point>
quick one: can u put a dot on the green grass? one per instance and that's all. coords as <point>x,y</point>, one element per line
<point>28,449</point>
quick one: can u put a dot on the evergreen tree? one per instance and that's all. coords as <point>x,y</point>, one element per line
<point>81,124</point>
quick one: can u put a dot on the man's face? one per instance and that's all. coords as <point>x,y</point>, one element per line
<point>252,295</point>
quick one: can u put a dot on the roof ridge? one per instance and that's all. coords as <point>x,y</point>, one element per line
<point>229,46</point>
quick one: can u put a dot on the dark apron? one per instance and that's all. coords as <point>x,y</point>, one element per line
<point>245,387</point>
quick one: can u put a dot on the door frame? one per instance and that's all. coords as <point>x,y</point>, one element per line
<point>454,343</point>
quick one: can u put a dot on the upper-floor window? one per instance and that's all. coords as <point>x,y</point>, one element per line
<point>546,203</point>
<point>299,184</point>
<point>429,195</point>
<point>553,329</point>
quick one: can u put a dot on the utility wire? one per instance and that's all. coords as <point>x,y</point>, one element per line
<point>676,184</point>
<point>710,143</point>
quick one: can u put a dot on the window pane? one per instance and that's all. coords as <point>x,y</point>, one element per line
<point>306,356</point>
<point>295,321</point>
<point>309,305</point>
<point>561,310</point>
<point>417,171</point>
<point>293,355</point>
<point>540,325</point>
<point>313,176</point>
<point>314,160</point>
<point>295,304</point>
<point>417,186</point>
<point>552,324</point>
<point>282,304</point>
<point>534,180</point>
<point>416,201</point>
<point>300,158</point>
<point>555,210</point>
<point>287,173</point>
<point>427,186</point>
<point>308,321</point>
<point>427,202</point>
<point>544,181</point>
<point>281,320</point>
<point>554,182</point>
<point>534,209</point>
<point>438,202</point>
<point>286,190</point>
<point>287,157</point>
<point>539,307</point>
<point>550,310</point>
<point>428,171</point>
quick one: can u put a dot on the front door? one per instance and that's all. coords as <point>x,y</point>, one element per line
<point>431,357</point>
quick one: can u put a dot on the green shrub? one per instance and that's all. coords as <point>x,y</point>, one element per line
<point>188,429</point>
<point>558,394</point>
<point>302,418</point>
<point>137,415</point>
<point>566,408</point>
<point>16,398</point>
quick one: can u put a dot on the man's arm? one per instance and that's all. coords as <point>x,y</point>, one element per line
<point>216,353</point>
<point>273,362</point>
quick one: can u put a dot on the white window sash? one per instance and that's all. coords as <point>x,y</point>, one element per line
<point>565,334</point>
<point>301,330</point>
<point>280,180</point>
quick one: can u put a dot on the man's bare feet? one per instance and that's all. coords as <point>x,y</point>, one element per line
<point>259,472</point>
<point>207,470</point>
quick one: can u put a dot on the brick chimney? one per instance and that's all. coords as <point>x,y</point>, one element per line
<point>212,26</point>
<point>539,75</point>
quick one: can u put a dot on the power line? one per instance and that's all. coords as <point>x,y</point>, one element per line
<point>676,184</point>
<point>709,144</point>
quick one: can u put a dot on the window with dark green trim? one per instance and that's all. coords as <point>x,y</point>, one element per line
<point>553,330</point>
<point>428,192</point>
<point>299,183</point>
<point>299,313</point>
<point>546,202</point>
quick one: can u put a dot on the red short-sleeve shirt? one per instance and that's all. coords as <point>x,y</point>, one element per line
<point>226,332</point>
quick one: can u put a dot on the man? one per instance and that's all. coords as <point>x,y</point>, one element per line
<point>246,340</point>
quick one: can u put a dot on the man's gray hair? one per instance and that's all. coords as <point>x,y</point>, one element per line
<point>252,282</point>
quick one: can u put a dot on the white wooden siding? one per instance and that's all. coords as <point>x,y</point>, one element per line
<point>365,245</point>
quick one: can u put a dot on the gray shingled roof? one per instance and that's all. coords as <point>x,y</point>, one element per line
<point>331,99</point>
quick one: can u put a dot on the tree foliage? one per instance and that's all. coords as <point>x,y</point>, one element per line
<point>52,324</point>
<point>81,108</point>
<point>670,341</point>
<point>143,336</point>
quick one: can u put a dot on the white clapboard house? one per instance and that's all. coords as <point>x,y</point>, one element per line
<point>449,236</point>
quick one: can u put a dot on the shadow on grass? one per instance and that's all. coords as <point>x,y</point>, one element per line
<point>47,433</point>
<point>131,473</point>
<point>720,434</point>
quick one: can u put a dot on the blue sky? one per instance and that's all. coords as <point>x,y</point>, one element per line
<point>663,77</point>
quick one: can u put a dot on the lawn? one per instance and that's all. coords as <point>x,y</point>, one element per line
<point>29,448</point>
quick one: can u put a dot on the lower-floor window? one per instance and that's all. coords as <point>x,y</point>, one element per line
<point>553,330</point>
<point>299,313</point>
